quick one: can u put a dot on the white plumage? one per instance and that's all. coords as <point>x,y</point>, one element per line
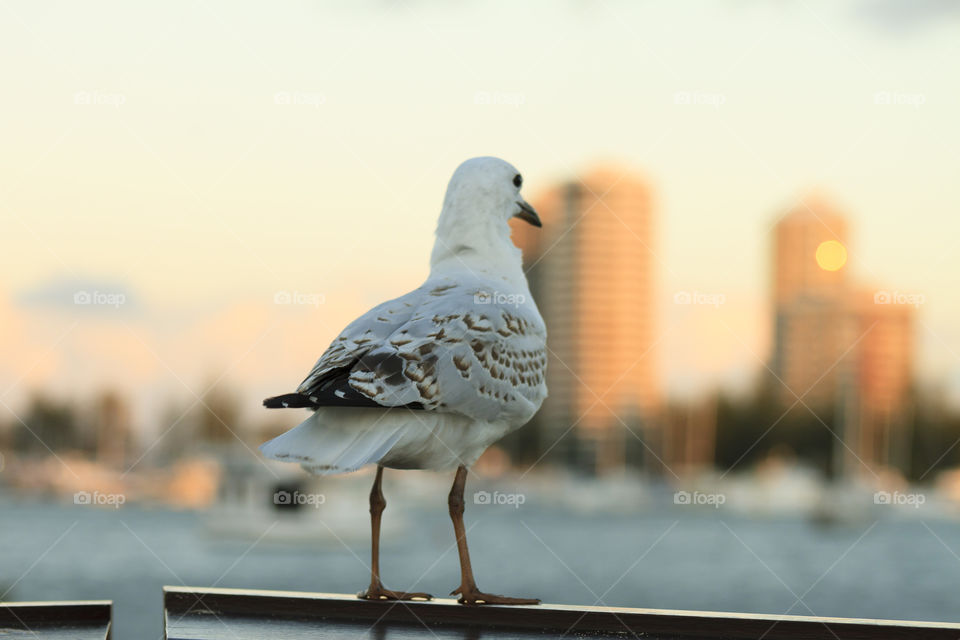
<point>430,379</point>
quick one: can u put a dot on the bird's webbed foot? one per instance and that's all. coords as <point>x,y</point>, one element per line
<point>472,595</point>
<point>377,591</point>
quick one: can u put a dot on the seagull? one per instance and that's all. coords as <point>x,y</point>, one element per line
<point>429,380</point>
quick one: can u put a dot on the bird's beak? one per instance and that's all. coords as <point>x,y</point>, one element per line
<point>527,213</point>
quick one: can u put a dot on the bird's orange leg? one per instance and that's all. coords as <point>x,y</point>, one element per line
<point>469,594</point>
<point>376,591</point>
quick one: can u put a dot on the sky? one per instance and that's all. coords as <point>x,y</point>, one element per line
<point>190,164</point>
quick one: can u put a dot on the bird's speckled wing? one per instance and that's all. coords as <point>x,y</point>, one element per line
<point>363,334</point>
<point>447,346</point>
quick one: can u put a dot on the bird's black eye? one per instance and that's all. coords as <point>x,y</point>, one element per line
<point>517,180</point>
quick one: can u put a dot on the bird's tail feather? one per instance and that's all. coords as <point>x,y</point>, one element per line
<point>323,447</point>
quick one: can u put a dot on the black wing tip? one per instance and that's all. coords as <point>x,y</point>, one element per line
<point>289,401</point>
<point>300,401</point>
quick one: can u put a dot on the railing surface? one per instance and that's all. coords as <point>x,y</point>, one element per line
<point>87,620</point>
<point>212,614</point>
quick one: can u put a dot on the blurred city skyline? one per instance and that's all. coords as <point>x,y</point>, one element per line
<point>747,269</point>
<point>198,198</point>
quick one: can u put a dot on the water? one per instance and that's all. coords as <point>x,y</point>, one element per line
<point>660,557</point>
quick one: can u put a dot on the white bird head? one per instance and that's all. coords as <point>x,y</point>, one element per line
<point>482,196</point>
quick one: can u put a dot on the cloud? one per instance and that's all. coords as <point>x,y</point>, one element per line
<point>83,295</point>
<point>903,16</point>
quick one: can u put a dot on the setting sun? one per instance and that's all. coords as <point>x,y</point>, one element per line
<point>831,255</point>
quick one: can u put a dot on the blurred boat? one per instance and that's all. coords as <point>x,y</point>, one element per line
<point>270,503</point>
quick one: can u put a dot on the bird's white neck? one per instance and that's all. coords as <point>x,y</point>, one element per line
<point>480,244</point>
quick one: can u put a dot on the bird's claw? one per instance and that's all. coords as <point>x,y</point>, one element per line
<point>379,593</point>
<point>476,597</point>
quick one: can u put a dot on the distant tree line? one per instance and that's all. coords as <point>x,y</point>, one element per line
<point>749,428</point>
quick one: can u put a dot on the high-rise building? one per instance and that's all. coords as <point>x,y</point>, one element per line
<point>689,438</point>
<point>812,327</point>
<point>113,429</point>
<point>592,273</point>
<point>846,353</point>
<point>798,272</point>
<point>879,432</point>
